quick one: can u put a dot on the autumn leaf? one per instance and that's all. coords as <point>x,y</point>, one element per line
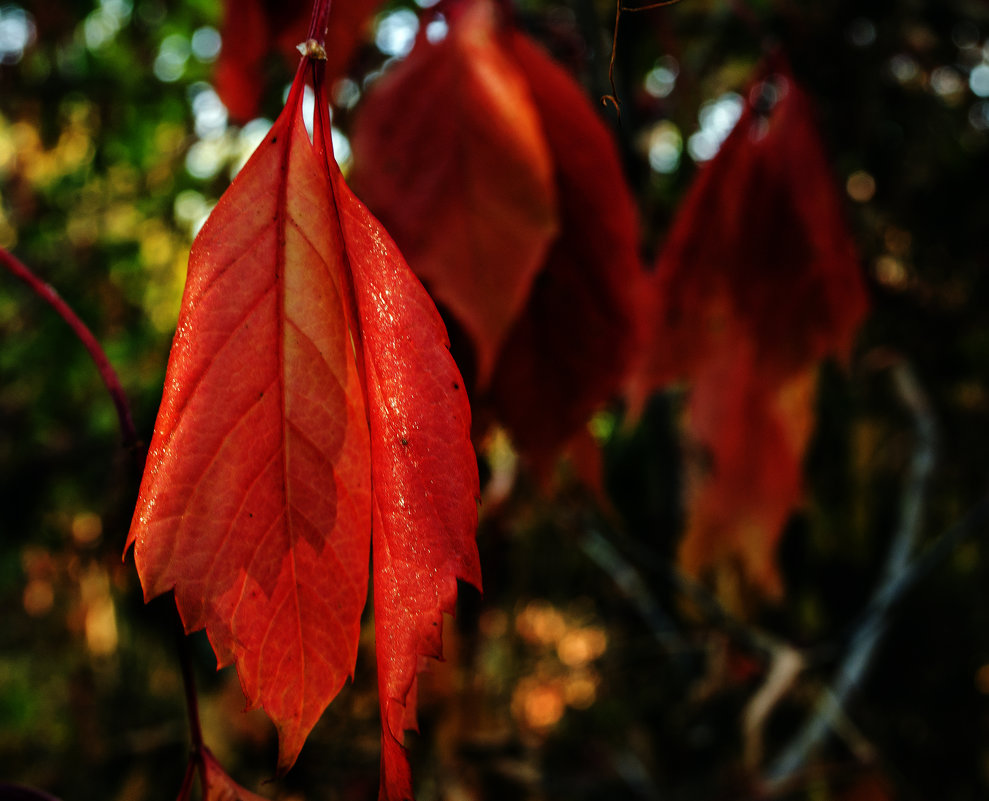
<point>448,148</point>
<point>311,405</point>
<point>746,437</point>
<point>757,282</point>
<point>570,350</point>
<point>219,785</point>
<point>760,242</point>
<point>255,29</point>
<point>423,469</point>
<point>504,188</point>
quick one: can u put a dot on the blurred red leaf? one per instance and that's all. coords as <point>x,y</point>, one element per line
<point>573,345</point>
<point>871,786</point>
<point>253,30</point>
<point>531,240</point>
<point>220,787</point>
<point>760,245</point>
<point>310,400</point>
<point>449,151</point>
<point>758,281</point>
<point>746,434</point>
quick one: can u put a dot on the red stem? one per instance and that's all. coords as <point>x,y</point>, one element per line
<point>112,382</point>
<point>186,788</point>
<point>319,21</point>
<point>107,373</point>
<point>197,758</point>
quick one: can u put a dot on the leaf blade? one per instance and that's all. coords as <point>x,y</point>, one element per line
<point>258,473</point>
<point>424,471</point>
<point>451,135</point>
<point>572,346</point>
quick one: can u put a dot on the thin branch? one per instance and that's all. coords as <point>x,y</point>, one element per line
<point>628,578</point>
<point>756,641</point>
<point>48,294</point>
<point>196,758</point>
<point>630,583</point>
<point>786,666</point>
<point>895,579</point>
<point>612,99</point>
<point>185,790</point>
<point>976,520</point>
<point>131,442</point>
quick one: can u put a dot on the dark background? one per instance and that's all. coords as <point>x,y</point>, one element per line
<point>566,681</point>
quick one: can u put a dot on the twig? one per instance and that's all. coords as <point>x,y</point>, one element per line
<point>897,576</point>
<point>631,584</point>
<point>196,757</point>
<point>756,641</point>
<point>185,789</point>
<point>48,294</point>
<point>131,442</point>
<point>786,666</point>
<point>612,99</point>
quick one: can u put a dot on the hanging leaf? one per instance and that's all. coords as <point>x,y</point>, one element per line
<point>220,787</point>
<point>310,399</point>
<point>746,436</point>
<point>757,282</point>
<point>494,172</point>
<point>573,345</point>
<point>449,151</point>
<point>760,244</point>
<point>423,468</point>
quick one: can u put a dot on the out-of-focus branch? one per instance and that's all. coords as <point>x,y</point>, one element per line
<point>627,577</point>
<point>48,294</point>
<point>131,442</point>
<point>898,574</point>
<point>630,583</point>
<point>753,639</point>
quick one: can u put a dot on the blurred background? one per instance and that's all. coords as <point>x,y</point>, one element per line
<point>590,669</point>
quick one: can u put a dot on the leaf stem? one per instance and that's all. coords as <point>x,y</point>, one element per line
<point>186,788</point>
<point>48,294</point>
<point>131,442</point>
<point>319,21</point>
<point>612,99</point>
<point>196,758</point>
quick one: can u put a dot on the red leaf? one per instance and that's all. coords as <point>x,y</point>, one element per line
<point>757,283</point>
<point>450,136</point>
<point>424,473</point>
<point>573,344</point>
<point>219,785</point>
<point>748,433</point>
<point>247,38</point>
<point>310,397</point>
<point>253,29</point>
<point>530,236</point>
<point>760,243</point>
